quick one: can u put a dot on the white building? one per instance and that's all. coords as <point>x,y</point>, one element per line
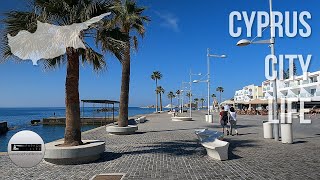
<point>248,93</point>
<point>296,88</point>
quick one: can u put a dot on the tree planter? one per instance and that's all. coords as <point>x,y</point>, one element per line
<point>88,152</point>
<point>181,118</point>
<point>116,130</point>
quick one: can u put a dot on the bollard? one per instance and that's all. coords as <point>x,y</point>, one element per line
<point>209,118</point>
<point>267,130</point>
<point>286,133</point>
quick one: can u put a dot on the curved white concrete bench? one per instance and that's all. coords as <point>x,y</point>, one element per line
<point>216,149</point>
<point>89,152</point>
<point>141,119</point>
<point>212,141</point>
<point>202,134</point>
<point>181,118</point>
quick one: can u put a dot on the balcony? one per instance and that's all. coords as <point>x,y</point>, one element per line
<point>306,95</point>
<point>305,82</point>
<point>293,96</point>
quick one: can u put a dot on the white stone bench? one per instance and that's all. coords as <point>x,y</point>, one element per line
<point>205,133</point>
<point>176,118</point>
<point>141,119</point>
<point>216,148</point>
<point>212,141</point>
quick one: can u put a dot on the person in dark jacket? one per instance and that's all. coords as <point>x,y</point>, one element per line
<point>224,119</point>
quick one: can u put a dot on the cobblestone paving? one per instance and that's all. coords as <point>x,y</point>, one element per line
<point>163,149</point>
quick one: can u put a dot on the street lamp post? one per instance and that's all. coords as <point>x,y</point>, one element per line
<point>271,41</point>
<point>189,94</point>
<point>190,101</point>
<point>208,116</point>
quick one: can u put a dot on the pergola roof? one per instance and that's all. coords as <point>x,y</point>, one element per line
<point>258,101</point>
<point>101,101</point>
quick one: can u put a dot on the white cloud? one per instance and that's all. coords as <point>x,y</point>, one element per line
<point>169,20</point>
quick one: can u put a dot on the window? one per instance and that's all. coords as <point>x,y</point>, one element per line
<point>313,79</point>
<point>313,92</point>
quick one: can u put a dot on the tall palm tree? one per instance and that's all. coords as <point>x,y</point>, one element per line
<point>196,100</point>
<point>156,75</point>
<point>202,101</point>
<point>160,91</point>
<point>171,96</point>
<point>62,13</point>
<point>178,94</point>
<point>130,19</point>
<point>189,95</point>
<point>220,90</point>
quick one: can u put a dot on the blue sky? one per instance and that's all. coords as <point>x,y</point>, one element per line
<point>175,42</point>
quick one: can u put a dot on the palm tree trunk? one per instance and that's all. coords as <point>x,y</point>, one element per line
<point>160,102</point>
<point>171,104</point>
<point>220,97</point>
<point>72,136</point>
<point>201,104</point>
<point>125,83</point>
<point>156,95</point>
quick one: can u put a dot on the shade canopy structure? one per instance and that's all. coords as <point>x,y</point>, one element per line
<point>258,101</point>
<point>103,103</point>
<point>229,102</point>
<point>241,102</point>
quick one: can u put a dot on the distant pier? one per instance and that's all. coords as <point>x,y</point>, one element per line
<point>100,121</point>
<point>3,127</point>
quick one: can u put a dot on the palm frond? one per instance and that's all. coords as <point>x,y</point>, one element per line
<point>92,57</point>
<point>50,64</point>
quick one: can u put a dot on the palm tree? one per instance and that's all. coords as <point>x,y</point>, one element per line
<point>220,89</point>
<point>156,75</point>
<point>160,91</point>
<point>202,101</point>
<point>129,18</point>
<point>171,96</point>
<point>178,94</point>
<point>189,95</point>
<point>196,100</point>
<point>62,13</point>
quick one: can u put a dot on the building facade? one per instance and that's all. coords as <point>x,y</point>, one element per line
<point>248,93</point>
<point>296,88</point>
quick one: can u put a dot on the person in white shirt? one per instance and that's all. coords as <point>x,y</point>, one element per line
<point>233,120</point>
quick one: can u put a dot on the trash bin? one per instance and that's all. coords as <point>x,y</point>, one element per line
<point>286,133</point>
<point>267,130</point>
<point>209,118</point>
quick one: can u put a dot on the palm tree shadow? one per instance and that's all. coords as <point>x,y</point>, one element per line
<point>108,156</point>
<point>176,148</point>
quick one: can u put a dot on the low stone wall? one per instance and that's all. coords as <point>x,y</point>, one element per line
<point>3,127</point>
<point>84,121</point>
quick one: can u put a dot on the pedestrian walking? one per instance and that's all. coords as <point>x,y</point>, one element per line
<point>224,120</point>
<point>233,121</point>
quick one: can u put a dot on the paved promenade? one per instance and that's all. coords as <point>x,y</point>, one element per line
<point>163,149</point>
